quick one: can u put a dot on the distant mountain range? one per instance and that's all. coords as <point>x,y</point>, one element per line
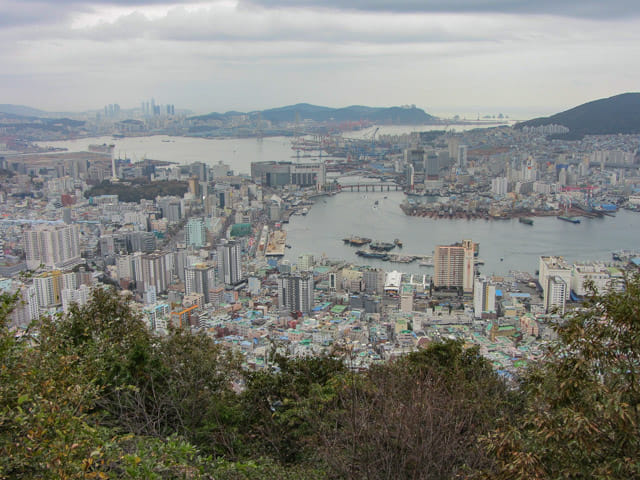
<point>617,114</point>
<point>301,111</point>
<point>21,110</point>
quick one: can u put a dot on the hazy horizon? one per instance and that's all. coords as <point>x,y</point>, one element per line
<point>483,56</point>
<point>467,113</point>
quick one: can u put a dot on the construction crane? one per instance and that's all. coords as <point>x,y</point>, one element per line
<point>587,191</point>
<point>373,137</point>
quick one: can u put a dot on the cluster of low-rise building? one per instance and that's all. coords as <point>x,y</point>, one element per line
<point>210,260</point>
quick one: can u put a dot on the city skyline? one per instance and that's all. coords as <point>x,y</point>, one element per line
<point>518,57</point>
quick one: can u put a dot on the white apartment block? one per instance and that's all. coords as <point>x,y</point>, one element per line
<point>556,295</point>
<point>79,296</point>
<point>54,246</point>
<point>499,186</point>
<point>553,267</point>
<point>484,297</point>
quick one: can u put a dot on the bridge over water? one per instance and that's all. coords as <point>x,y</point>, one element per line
<point>369,187</point>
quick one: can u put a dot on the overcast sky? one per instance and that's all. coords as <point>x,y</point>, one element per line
<point>445,56</point>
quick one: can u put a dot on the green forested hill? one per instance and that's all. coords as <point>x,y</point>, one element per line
<point>618,114</point>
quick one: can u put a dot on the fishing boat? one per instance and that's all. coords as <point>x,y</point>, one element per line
<point>356,241</point>
<point>382,246</point>
<point>378,255</point>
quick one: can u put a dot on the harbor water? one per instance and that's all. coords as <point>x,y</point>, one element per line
<point>504,244</point>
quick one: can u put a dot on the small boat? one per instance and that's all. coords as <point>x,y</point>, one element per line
<point>381,246</point>
<point>568,219</point>
<point>397,242</point>
<point>356,241</point>
<point>526,221</point>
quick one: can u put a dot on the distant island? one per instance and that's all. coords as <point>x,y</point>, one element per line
<point>617,114</point>
<point>408,115</point>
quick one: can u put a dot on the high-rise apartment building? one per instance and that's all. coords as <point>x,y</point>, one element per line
<point>200,278</point>
<point>484,298</point>
<point>499,185</point>
<point>454,266</point>
<point>150,269</point>
<point>26,310</point>
<point>415,157</point>
<point>462,156</point>
<point>171,208</point>
<point>196,232</point>
<point>54,246</point>
<point>229,266</point>
<point>556,292</point>
<point>305,262</point>
<point>48,289</point>
<point>79,296</point>
<point>373,279</point>
<point>553,267</point>
<point>295,292</point>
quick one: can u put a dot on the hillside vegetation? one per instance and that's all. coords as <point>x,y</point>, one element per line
<point>618,114</point>
<point>302,111</point>
<point>93,394</point>
<point>139,189</point>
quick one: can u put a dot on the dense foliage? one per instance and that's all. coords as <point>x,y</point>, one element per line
<point>92,394</point>
<point>138,190</point>
<point>582,414</point>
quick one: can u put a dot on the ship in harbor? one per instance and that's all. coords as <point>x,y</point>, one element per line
<point>382,246</point>
<point>378,255</point>
<point>525,220</point>
<point>356,241</point>
<point>568,219</point>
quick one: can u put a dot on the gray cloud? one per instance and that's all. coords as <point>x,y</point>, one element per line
<point>74,54</point>
<point>38,12</point>
<point>297,26</point>
<point>15,13</point>
<point>569,8</point>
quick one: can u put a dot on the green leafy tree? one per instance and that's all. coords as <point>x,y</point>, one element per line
<point>61,409</point>
<point>582,413</point>
<point>278,405</point>
<point>417,417</point>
